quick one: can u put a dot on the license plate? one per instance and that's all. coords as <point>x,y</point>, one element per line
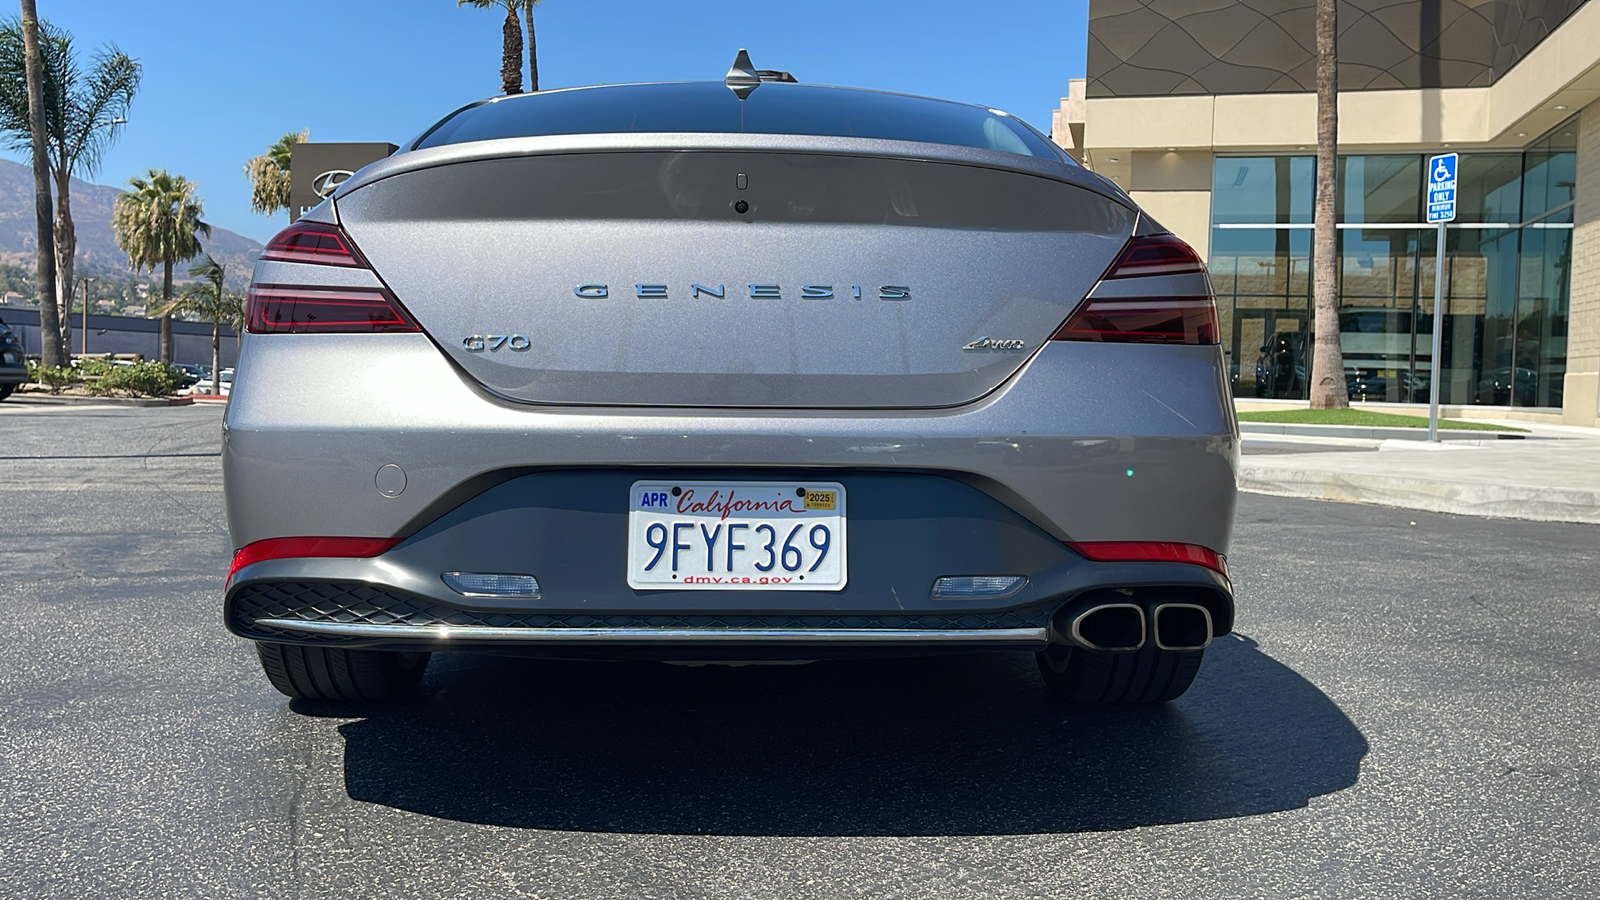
<point>736,536</point>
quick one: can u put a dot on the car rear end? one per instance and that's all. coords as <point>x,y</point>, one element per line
<point>13,364</point>
<point>723,394</point>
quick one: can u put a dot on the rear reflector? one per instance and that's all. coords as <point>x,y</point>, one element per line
<point>295,309</point>
<point>1161,318</point>
<point>308,547</point>
<point>489,584</point>
<point>966,587</point>
<point>1151,551</point>
<point>1158,254</point>
<point>312,242</point>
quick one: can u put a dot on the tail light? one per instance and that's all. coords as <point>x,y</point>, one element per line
<point>310,309</point>
<point>1155,319</point>
<point>309,547</point>
<point>1151,551</point>
<point>313,242</point>
<point>297,309</point>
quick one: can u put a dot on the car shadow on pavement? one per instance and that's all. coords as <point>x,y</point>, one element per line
<point>965,745</point>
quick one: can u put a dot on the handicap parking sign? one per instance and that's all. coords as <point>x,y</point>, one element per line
<point>1442,188</point>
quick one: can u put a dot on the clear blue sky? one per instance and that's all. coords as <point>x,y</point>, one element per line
<point>222,80</point>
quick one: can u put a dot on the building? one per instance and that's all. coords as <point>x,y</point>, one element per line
<point>191,341</point>
<point>1206,113</point>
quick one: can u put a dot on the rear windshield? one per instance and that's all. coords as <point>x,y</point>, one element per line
<point>710,107</point>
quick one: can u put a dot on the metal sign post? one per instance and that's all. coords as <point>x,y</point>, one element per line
<point>1441,187</point>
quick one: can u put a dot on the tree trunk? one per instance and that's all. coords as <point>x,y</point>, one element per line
<point>51,353</point>
<point>66,247</point>
<point>166,318</point>
<point>216,357</point>
<point>533,48</point>
<point>1328,389</point>
<point>511,53</point>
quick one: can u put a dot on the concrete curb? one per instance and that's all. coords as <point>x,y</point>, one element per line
<point>1381,433</point>
<point>99,401</point>
<point>1506,501</point>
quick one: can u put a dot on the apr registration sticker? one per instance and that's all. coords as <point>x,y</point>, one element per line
<point>822,500</point>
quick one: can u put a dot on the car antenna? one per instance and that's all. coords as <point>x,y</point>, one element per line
<point>744,77</point>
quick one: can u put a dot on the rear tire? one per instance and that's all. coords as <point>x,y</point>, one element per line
<point>6,389</point>
<point>1149,675</point>
<point>333,673</point>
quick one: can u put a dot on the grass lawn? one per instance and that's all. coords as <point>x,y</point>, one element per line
<point>1363,419</point>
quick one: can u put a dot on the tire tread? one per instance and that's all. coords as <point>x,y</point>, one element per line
<point>335,673</point>
<point>1149,675</point>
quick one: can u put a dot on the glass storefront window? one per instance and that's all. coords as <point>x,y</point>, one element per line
<point>1488,188</point>
<point>1379,189</point>
<point>1262,277</point>
<point>1543,283</point>
<point>1508,275</point>
<point>1262,189</point>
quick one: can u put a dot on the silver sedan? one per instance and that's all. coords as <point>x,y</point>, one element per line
<point>728,371</point>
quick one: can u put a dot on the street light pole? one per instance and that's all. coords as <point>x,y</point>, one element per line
<point>84,341</point>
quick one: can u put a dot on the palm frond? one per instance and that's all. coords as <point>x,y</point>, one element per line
<point>94,107</point>
<point>269,174</point>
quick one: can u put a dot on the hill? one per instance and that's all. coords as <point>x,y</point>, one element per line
<point>97,247</point>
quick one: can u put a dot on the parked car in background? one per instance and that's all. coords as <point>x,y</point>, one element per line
<point>192,373</point>
<point>13,365</point>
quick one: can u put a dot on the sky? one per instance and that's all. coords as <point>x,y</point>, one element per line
<point>222,80</point>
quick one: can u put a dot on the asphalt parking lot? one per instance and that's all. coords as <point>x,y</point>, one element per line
<point>1409,709</point>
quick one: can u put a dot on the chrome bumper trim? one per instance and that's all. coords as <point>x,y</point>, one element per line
<point>1038,636</point>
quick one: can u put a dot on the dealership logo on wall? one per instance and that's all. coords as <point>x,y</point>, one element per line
<point>317,170</point>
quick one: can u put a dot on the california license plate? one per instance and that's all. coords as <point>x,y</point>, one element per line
<point>736,536</point>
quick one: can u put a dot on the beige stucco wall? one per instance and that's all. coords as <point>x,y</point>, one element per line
<point>1558,76</point>
<point>1581,393</point>
<point>1186,214</point>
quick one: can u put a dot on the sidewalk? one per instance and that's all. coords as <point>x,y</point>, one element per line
<point>1555,478</point>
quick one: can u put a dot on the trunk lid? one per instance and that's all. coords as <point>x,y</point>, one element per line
<point>637,278</point>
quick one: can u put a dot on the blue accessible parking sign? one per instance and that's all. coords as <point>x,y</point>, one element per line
<point>1442,188</point>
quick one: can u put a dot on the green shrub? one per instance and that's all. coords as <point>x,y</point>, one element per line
<point>146,379</point>
<point>95,368</point>
<point>56,378</point>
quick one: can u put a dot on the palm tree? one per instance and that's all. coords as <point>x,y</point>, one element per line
<point>533,51</point>
<point>83,112</point>
<point>510,42</point>
<point>1328,389</point>
<point>269,174</point>
<point>207,299</point>
<point>51,351</point>
<point>157,223</point>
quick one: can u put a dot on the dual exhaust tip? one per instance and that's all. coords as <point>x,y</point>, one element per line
<point>1127,627</point>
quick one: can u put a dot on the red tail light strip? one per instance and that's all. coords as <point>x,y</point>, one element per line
<point>294,309</point>
<point>309,547</point>
<point>1186,320</point>
<point>1158,254</point>
<point>1151,551</point>
<point>1147,320</point>
<point>312,242</point>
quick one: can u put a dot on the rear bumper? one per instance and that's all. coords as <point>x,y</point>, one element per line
<point>364,615</point>
<point>13,374</point>
<point>1089,442</point>
<point>568,529</point>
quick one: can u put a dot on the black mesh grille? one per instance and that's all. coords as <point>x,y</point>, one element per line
<point>366,605</point>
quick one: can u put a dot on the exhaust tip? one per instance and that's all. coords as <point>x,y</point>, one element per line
<point>1110,627</point>
<point>1181,626</point>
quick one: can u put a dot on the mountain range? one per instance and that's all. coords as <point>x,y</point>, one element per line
<point>98,254</point>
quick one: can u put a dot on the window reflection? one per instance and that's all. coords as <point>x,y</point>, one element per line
<point>1508,259</point>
